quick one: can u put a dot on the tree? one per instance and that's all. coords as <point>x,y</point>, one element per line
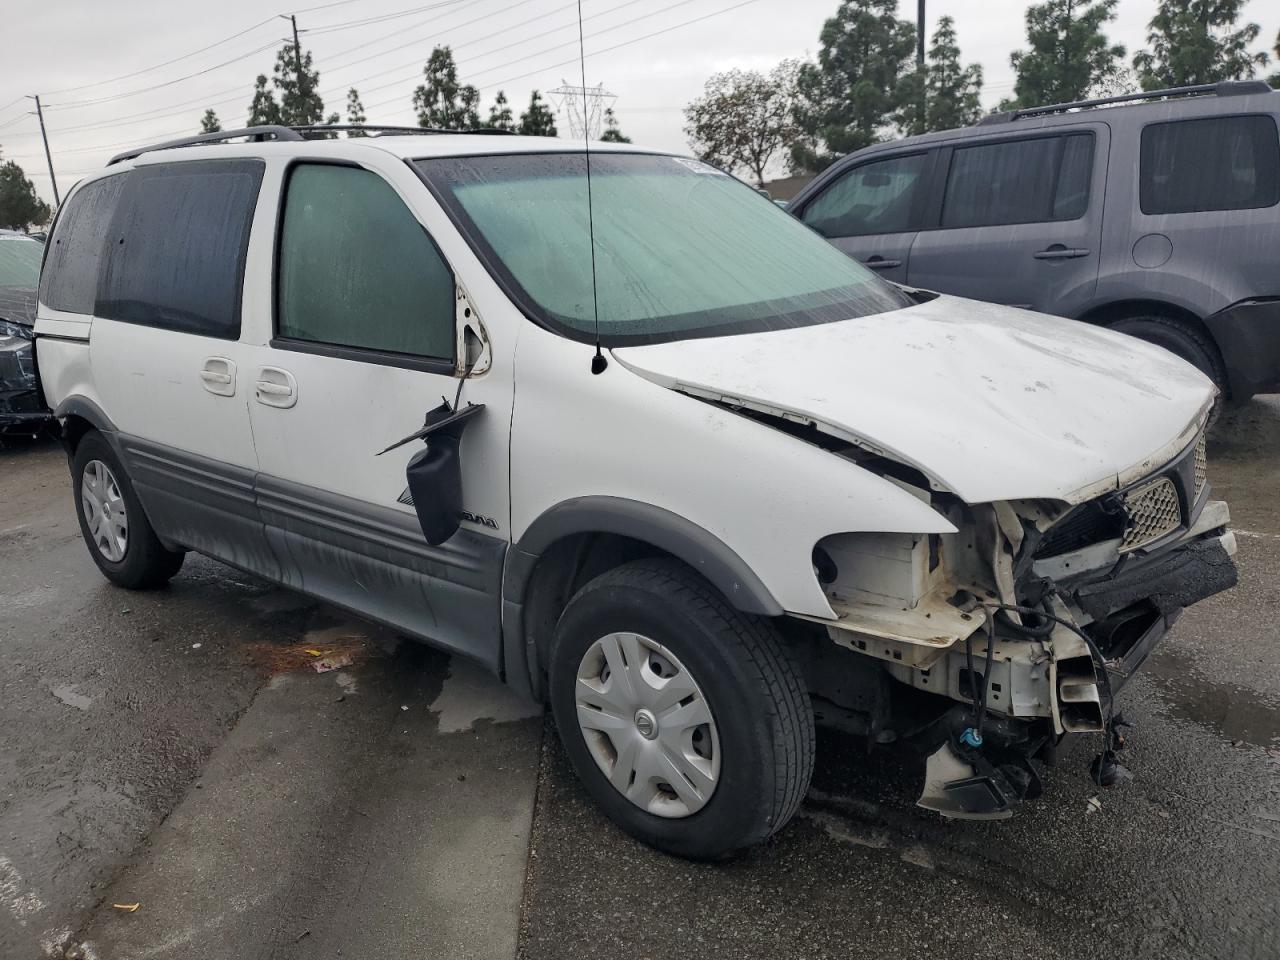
<point>538,120</point>
<point>612,134</point>
<point>946,94</point>
<point>500,115</point>
<point>300,102</point>
<point>263,109</point>
<point>355,112</point>
<point>1070,57</point>
<point>744,118</point>
<point>1192,41</point>
<point>441,103</point>
<point>20,207</point>
<point>846,98</point>
<point>1275,77</point>
<point>209,122</point>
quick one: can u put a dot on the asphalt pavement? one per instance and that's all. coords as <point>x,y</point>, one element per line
<point>180,751</point>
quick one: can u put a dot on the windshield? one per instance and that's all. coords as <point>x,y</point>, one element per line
<point>20,262</point>
<point>681,249</point>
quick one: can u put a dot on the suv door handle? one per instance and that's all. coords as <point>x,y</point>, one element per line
<point>880,263</point>
<point>1060,252</point>
<point>218,376</point>
<point>276,388</point>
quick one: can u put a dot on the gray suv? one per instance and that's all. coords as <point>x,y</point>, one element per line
<point>1158,216</point>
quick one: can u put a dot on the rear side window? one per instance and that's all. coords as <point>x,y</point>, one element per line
<point>873,198</point>
<point>177,244</point>
<point>356,268</point>
<point>70,278</point>
<point>1019,181</point>
<point>1218,163</point>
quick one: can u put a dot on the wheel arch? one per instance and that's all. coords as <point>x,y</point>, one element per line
<point>78,415</point>
<point>1108,313</point>
<point>575,541</point>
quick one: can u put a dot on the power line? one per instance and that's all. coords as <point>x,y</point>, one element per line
<point>185,56</point>
<point>383,18</point>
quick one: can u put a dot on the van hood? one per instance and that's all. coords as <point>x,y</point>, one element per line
<point>989,402</point>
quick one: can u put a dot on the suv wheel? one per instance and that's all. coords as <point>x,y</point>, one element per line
<point>117,532</point>
<point>1181,339</point>
<point>688,721</point>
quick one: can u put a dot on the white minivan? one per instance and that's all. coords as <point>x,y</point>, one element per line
<point>616,427</point>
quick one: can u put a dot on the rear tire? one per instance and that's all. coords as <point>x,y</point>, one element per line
<point>115,528</point>
<point>738,727</point>
<point>1181,339</point>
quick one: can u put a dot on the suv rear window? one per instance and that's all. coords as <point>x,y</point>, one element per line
<point>176,247</point>
<point>70,278</point>
<point>1038,180</point>
<point>1216,163</point>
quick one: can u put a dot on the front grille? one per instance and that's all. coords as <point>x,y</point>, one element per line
<point>1153,511</point>
<point>1201,465</point>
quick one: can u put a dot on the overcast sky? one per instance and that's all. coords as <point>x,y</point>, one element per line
<point>66,49</point>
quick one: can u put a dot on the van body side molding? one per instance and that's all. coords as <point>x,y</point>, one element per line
<point>680,537</point>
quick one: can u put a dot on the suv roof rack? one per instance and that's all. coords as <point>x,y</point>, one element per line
<point>280,132</point>
<point>1226,88</point>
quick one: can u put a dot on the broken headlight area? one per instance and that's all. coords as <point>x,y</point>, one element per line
<point>21,406</point>
<point>995,641</point>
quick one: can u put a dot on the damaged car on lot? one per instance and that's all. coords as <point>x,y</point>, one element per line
<point>619,429</point>
<point>22,409</point>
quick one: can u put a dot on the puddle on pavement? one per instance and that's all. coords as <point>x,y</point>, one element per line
<point>324,642</point>
<point>1231,711</point>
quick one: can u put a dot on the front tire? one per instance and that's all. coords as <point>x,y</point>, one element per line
<point>115,528</point>
<point>688,721</point>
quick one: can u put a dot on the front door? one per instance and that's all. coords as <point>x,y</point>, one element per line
<point>871,210</point>
<point>1019,222</point>
<point>365,343</point>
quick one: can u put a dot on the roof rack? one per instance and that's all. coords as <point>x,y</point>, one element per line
<point>1227,88</point>
<point>283,133</point>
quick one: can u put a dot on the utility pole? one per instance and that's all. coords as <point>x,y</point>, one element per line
<point>297,47</point>
<point>920,35</point>
<point>57,201</point>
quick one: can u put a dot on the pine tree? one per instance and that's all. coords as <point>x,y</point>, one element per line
<point>263,109</point>
<point>1193,41</point>
<point>500,115</point>
<point>209,122</point>
<point>946,94</point>
<point>300,102</point>
<point>611,132</point>
<point>846,97</point>
<point>538,120</point>
<point>442,103</point>
<point>20,207</point>
<point>355,112</point>
<point>1070,56</point>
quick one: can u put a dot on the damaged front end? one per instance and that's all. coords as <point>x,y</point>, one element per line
<point>22,408</point>
<point>996,641</point>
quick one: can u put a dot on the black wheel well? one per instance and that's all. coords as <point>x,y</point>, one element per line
<point>74,427</point>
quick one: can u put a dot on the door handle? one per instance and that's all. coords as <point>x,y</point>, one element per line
<point>880,263</point>
<point>218,376</point>
<point>1060,252</point>
<point>276,388</point>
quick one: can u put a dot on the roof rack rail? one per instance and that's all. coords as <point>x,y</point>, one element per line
<point>264,132</point>
<point>1226,88</point>
<point>280,132</point>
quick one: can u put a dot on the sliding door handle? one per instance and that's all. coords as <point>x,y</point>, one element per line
<point>1059,252</point>
<point>880,263</point>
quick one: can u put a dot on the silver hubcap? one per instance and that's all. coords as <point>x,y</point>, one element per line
<point>647,725</point>
<point>104,512</point>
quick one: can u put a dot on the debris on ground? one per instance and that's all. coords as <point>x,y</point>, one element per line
<point>329,662</point>
<point>1092,805</point>
<point>127,907</point>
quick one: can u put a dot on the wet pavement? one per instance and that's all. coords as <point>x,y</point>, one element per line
<point>177,750</point>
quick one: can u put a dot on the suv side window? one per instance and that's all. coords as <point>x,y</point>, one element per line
<point>1215,163</point>
<point>70,278</point>
<point>1037,180</point>
<point>876,197</point>
<point>357,269</point>
<point>177,244</point>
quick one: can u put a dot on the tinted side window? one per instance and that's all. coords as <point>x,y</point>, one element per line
<point>1218,163</point>
<point>70,278</point>
<point>1019,181</point>
<point>356,269</point>
<point>874,198</point>
<point>177,246</point>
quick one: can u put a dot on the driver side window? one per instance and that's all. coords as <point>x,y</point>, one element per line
<point>875,197</point>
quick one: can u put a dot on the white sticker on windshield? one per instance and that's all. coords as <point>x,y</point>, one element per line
<point>697,166</point>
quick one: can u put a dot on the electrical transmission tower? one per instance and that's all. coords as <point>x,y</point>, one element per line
<point>584,107</point>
